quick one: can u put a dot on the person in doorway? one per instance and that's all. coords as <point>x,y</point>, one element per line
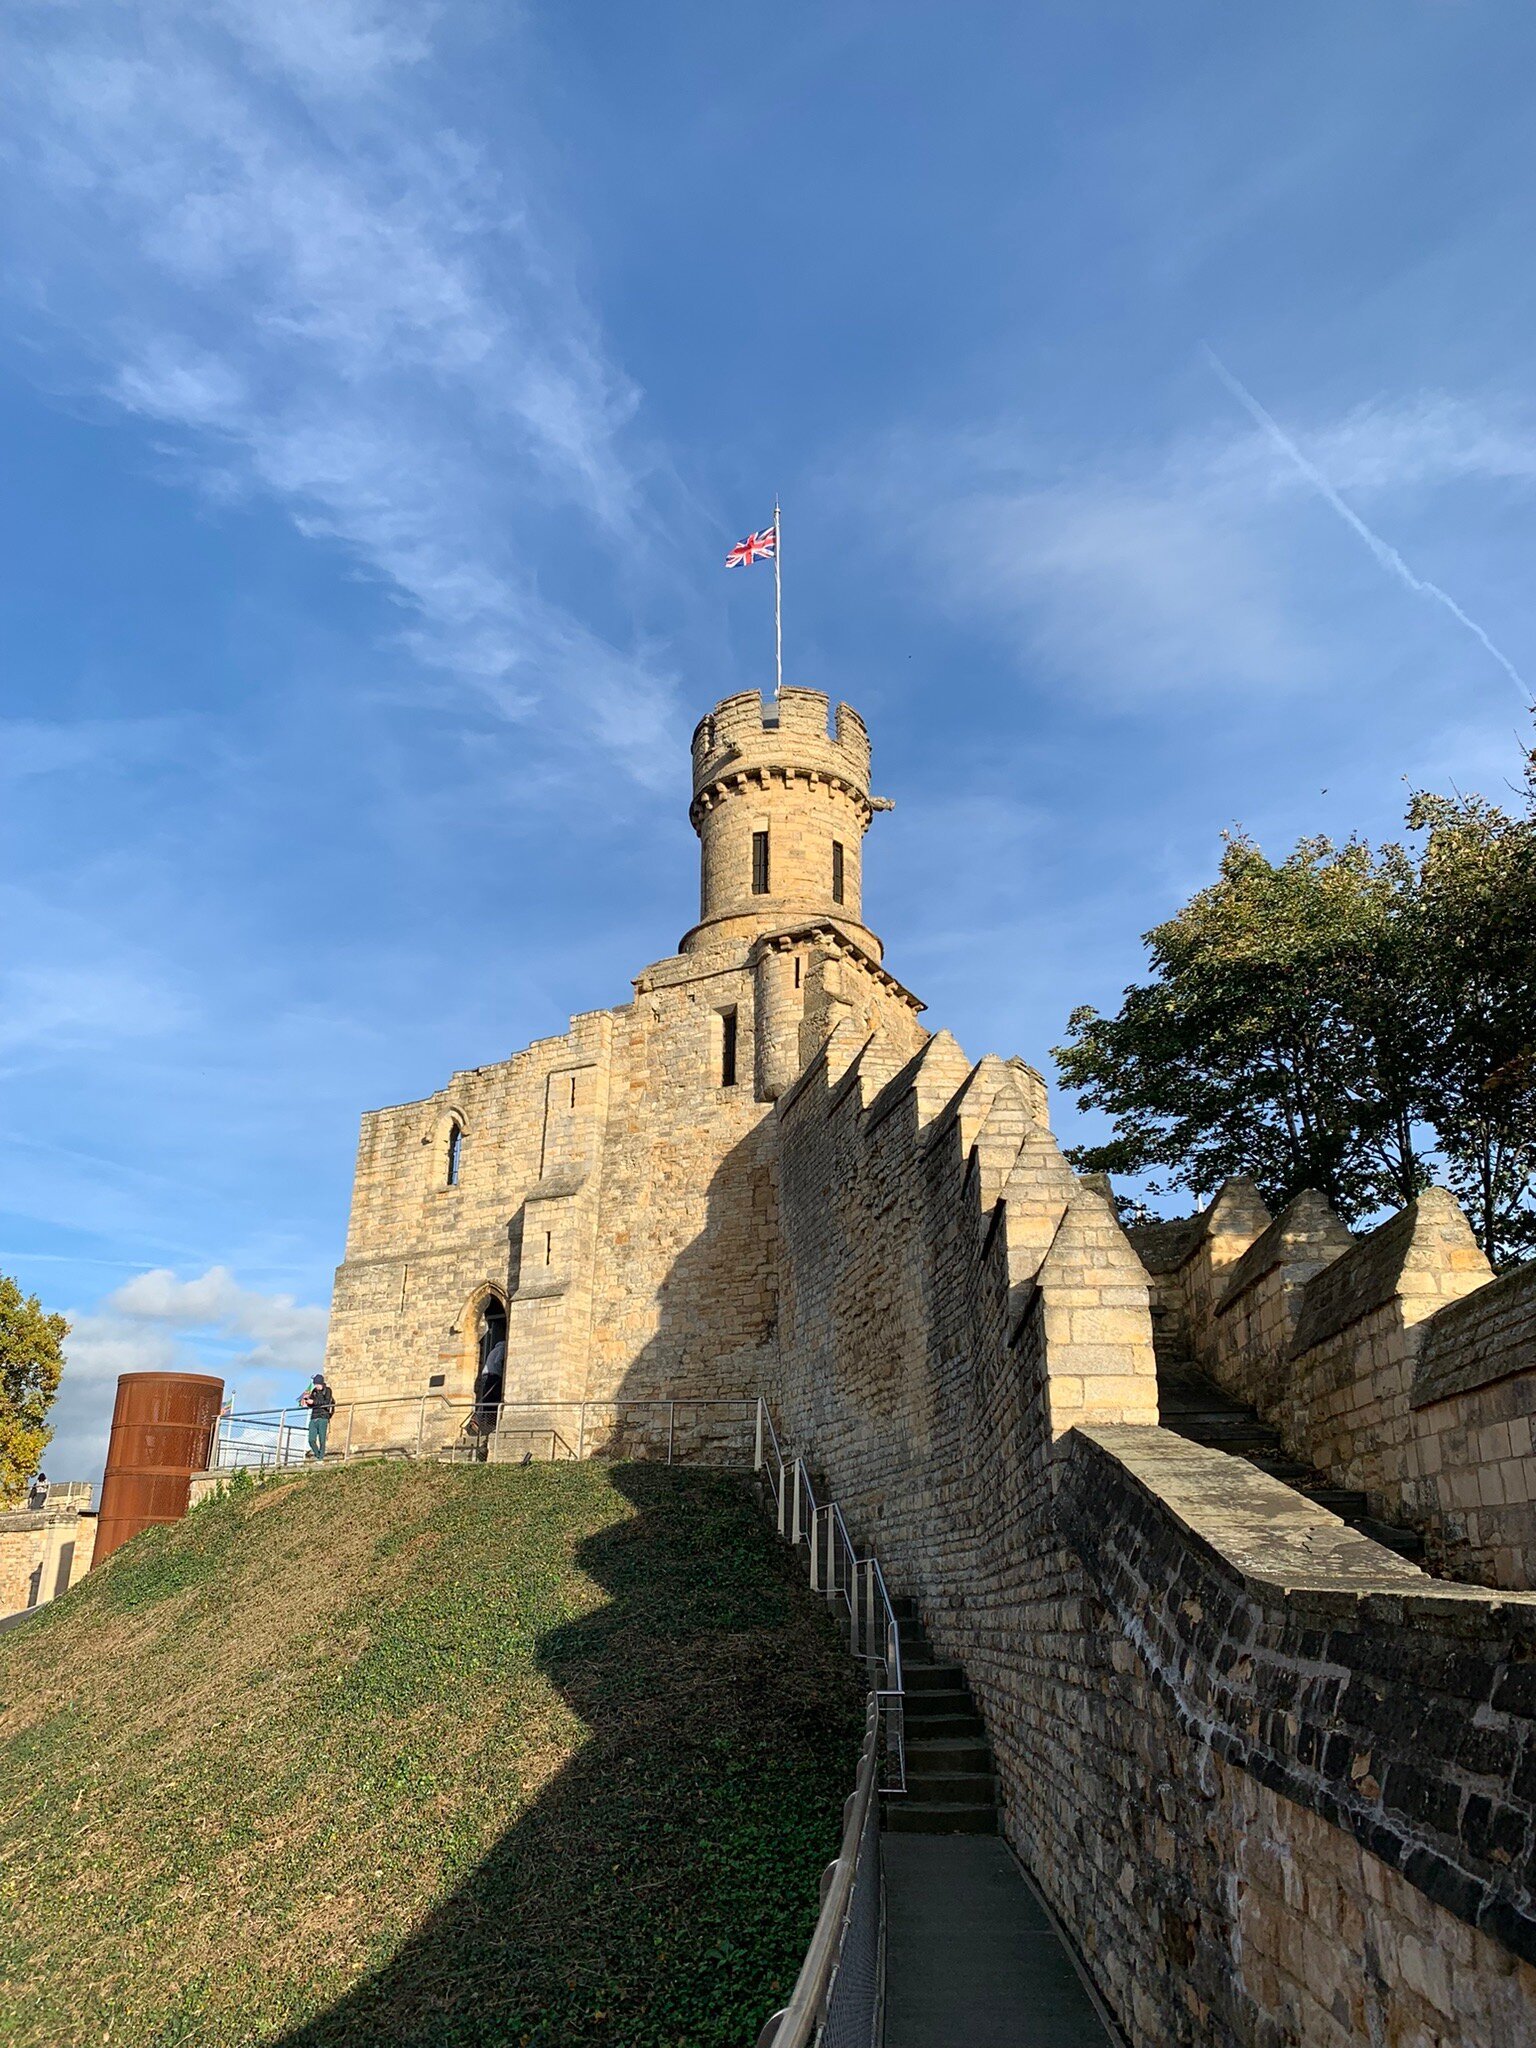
<point>318,1398</point>
<point>38,1497</point>
<point>488,1382</point>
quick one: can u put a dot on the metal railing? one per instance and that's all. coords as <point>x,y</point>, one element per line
<point>839,1994</point>
<point>841,1575</point>
<point>713,1432</point>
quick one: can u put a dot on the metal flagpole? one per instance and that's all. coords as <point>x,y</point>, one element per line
<point>778,607</point>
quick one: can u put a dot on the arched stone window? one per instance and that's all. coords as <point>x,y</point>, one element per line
<point>446,1137</point>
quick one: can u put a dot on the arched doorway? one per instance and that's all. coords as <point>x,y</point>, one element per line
<point>490,1370</point>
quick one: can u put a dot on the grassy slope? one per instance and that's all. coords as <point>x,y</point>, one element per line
<point>400,1754</point>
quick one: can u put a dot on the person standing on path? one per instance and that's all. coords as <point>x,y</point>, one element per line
<point>318,1398</point>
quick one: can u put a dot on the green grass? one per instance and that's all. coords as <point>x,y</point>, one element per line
<point>402,1754</point>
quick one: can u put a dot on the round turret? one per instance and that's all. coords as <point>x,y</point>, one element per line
<point>781,805</point>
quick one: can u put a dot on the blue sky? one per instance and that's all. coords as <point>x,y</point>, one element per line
<point>381,384</point>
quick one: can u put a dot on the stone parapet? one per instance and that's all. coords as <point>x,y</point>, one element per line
<point>1397,1709</point>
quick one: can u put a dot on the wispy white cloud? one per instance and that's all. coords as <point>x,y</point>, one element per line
<point>264,238</point>
<point>1187,567</point>
<point>1381,551</point>
<point>64,1007</point>
<point>37,746</point>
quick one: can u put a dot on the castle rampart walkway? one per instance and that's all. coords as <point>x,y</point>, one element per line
<point>972,1961</point>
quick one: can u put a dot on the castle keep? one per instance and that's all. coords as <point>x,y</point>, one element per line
<point>616,1189</point>
<point>1171,1496</point>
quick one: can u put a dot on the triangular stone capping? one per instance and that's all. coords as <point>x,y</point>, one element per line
<point>1236,1218</point>
<point>939,1072</point>
<point>1099,1362</point>
<point>1422,1258</point>
<point>1039,1187</point>
<point>993,1117</point>
<point>1307,1233</point>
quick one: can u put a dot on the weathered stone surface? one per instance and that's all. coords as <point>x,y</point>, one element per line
<point>1278,1784</point>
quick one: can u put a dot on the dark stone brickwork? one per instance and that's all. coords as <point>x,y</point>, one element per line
<point>1399,1710</point>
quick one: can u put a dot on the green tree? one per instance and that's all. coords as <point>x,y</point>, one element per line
<point>31,1360</point>
<point>1271,1040</point>
<point>1343,1020</point>
<point>1475,925</point>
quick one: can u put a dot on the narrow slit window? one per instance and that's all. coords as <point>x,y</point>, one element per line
<point>455,1154</point>
<point>727,1048</point>
<point>837,871</point>
<point>797,970</point>
<point>759,863</point>
<point>573,1091</point>
<point>549,1247</point>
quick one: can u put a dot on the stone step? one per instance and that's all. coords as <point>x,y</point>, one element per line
<point>1191,1406</point>
<point>940,1699</point>
<point>1406,1542</point>
<point>908,1816</point>
<point>925,1677</point>
<point>948,1753</point>
<point>1344,1501</point>
<point>961,1721</point>
<point>950,1788</point>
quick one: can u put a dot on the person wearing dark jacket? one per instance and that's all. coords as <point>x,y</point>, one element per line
<point>488,1387</point>
<point>318,1398</point>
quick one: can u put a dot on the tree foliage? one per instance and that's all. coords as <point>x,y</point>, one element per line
<point>1344,1019</point>
<point>31,1360</point>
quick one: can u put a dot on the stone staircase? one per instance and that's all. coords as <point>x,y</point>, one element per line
<point>1192,1405</point>
<point>951,1789</point>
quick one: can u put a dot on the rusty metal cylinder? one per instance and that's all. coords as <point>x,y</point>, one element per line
<point>162,1432</point>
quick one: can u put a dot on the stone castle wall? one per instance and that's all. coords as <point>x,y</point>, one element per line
<point>1279,1785</point>
<point>43,1552</point>
<point>1394,1362</point>
<point>1273,1779</point>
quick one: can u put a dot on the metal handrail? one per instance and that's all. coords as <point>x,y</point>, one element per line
<point>277,1436</point>
<point>839,1572</point>
<point>797,2023</point>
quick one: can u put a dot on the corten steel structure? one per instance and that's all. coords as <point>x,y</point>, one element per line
<point>162,1432</point>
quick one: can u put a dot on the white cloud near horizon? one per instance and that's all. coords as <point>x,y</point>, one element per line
<point>261,236</point>
<point>263,1345</point>
<point>1192,566</point>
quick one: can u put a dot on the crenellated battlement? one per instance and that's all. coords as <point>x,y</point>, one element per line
<point>746,733</point>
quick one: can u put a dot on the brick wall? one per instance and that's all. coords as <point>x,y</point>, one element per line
<point>1470,1474</point>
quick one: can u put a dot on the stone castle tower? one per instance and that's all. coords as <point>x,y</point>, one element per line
<point>613,1191</point>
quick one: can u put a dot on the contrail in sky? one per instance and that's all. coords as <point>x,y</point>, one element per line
<point>1385,554</point>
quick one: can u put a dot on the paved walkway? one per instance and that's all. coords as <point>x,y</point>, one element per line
<point>971,1959</point>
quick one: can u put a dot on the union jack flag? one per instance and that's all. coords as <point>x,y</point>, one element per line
<point>756,547</point>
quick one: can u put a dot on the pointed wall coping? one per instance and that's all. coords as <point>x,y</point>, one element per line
<point>1306,1220</point>
<point>936,1064</point>
<point>1237,1209</point>
<point>1090,1233</point>
<point>1431,1237</point>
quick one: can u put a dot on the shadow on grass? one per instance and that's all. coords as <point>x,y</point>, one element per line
<point>661,1889</point>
